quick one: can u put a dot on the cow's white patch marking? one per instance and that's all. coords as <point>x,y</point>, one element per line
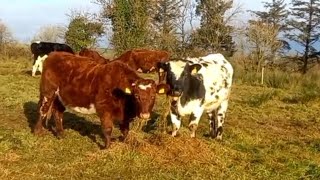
<point>83,110</point>
<point>177,68</point>
<point>38,64</point>
<point>176,124</point>
<point>38,42</point>
<point>190,107</point>
<point>144,87</point>
<point>45,100</point>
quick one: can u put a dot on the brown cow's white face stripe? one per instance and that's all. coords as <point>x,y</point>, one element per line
<point>144,87</point>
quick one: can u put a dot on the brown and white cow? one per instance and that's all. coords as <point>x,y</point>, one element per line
<point>144,60</point>
<point>93,54</point>
<point>112,90</point>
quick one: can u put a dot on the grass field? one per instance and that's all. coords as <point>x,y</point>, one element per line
<point>269,133</point>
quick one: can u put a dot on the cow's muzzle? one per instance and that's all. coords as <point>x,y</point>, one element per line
<point>145,115</point>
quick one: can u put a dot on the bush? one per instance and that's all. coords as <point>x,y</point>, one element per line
<point>15,50</point>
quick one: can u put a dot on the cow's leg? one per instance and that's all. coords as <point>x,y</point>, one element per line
<point>194,120</point>
<point>35,66</point>
<point>176,123</point>
<point>221,115</point>
<point>107,126</point>
<point>44,108</point>
<point>212,122</point>
<point>41,63</point>
<point>58,117</point>
<point>124,128</point>
<point>175,118</point>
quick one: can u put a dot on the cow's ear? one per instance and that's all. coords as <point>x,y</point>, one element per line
<point>163,88</point>
<point>162,66</point>
<point>194,68</point>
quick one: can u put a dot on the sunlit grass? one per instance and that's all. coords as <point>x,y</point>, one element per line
<point>271,132</point>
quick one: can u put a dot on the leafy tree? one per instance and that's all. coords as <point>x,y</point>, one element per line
<point>263,41</point>
<point>303,26</point>
<point>130,22</point>
<point>185,27</point>
<point>275,15</point>
<point>214,34</point>
<point>166,13</point>
<point>83,31</point>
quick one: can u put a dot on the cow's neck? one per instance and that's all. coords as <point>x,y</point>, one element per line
<point>194,89</point>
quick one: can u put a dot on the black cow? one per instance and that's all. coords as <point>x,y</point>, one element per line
<point>40,51</point>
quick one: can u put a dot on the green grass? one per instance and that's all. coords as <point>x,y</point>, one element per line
<point>265,137</point>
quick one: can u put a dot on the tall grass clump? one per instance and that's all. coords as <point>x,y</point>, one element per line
<point>278,79</point>
<point>306,88</point>
<point>243,75</point>
<point>262,98</point>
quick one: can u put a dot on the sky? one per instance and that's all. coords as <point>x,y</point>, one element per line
<point>24,18</point>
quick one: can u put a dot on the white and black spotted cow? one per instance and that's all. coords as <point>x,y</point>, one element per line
<point>199,85</point>
<point>40,51</point>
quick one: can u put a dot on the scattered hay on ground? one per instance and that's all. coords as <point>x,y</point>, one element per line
<point>165,149</point>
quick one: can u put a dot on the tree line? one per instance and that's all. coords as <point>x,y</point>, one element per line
<point>197,27</point>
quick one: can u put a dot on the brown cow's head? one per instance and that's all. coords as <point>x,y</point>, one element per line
<point>144,92</point>
<point>94,55</point>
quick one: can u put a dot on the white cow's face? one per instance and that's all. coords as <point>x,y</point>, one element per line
<point>178,74</point>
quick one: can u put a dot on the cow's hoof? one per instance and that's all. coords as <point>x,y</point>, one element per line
<point>105,147</point>
<point>219,137</point>
<point>60,135</point>
<point>174,133</point>
<point>193,135</point>
<point>38,131</point>
<point>122,138</point>
<point>193,128</point>
<point>212,134</point>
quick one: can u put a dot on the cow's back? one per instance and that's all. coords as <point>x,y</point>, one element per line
<point>94,55</point>
<point>64,70</point>
<point>147,59</point>
<point>78,72</point>
<point>217,75</point>
<point>62,47</point>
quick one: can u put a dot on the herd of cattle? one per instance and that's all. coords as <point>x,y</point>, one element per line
<point>88,83</point>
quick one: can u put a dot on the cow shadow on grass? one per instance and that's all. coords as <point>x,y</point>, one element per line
<point>29,73</point>
<point>157,122</point>
<point>70,121</point>
<point>87,128</point>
